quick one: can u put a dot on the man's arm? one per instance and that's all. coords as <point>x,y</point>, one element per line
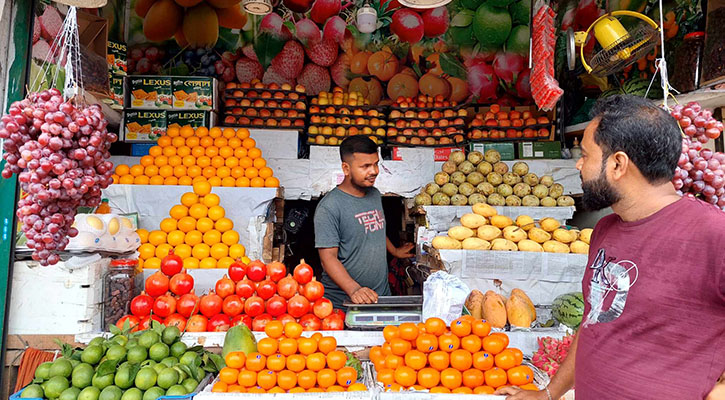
<point>339,275</point>
<point>560,383</point>
<point>399,252</point>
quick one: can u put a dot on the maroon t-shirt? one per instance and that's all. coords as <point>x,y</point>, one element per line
<point>660,330</point>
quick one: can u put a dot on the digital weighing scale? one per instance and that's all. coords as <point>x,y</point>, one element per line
<point>389,310</point>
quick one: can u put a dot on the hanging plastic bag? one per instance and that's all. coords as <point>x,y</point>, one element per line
<point>443,296</point>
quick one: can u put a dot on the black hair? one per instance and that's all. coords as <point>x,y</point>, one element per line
<point>357,144</point>
<point>647,133</point>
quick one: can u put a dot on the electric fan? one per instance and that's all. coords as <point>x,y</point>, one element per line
<point>620,47</point>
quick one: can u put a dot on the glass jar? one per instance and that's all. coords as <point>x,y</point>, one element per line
<point>119,288</point>
<point>686,75</point>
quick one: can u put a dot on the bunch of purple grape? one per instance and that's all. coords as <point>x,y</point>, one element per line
<point>59,152</point>
<point>700,171</point>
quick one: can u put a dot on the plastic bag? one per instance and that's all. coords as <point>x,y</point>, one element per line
<point>443,296</point>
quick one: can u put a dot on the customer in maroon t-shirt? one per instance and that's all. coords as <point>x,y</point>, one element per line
<point>654,320</point>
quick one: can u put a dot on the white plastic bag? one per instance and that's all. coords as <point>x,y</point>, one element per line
<point>444,296</point>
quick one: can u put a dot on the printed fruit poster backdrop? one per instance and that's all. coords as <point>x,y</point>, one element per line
<point>469,49</point>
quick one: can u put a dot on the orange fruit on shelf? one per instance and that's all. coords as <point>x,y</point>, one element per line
<point>202,188</point>
<point>506,359</point>
<point>346,376</point>
<point>136,170</point>
<point>462,390</point>
<point>226,152</point>
<point>175,161</point>
<point>215,212</point>
<point>224,262</point>
<point>215,181</point>
<point>208,172</point>
<point>271,182</point>
<point>166,171</point>
<point>160,161</point>
<point>520,375</point>
<point>248,143</point>
<point>518,354</point>
<point>448,342</point>
<point>193,141</point>
<point>212,237</point>
<point>461,360</point>
<point>143,234</point>
<point>493,344</point>
<point>152,263</point>
<point>266,379</point>
<point>393,361</point>
<point>186,131</point>
<point>175,238</point>
<point>306,346</point>
<point>461,327</point>
<point>286,379</point>
<point>293,330</point>
<point>257,182</point>
<point>191,263</point>
<point>228,133</point>
<point>169,151</point>
<point>230,238</point>
<point>201,131</point>
<point>306,379</point>
<point>483,360</point>
<point>185,181</point>
<point>219,251</point>
<point>183,151</point>
<point>219,387</point>
<point>167,225</point>
<point>115,178</point>
<point>200,251</point>
<point>206,142</point>
<point>287,346</point>
<point>251,172</point>
<point>126,180</point>
<point>483,390</point>
<point>156,180</point>
<point>182,250</point>
<point>399,346</point>
<point>198,151</point>
<point>471,343</point>
<point>451,378</point>
<point>254,153</point>
<point>416,359</point>
<point>429,377</point>
<point>236,389</point>
<point>237,172</point>
<point>503,337</point>
<point>265,172</point>
<point>408,331</point>
<point>473,378</point>
<point>326,344</point>
<point>259,163</point>
<point>223,225</point>
<point>386,376</point>
<point>228,375</point>
<point>255,362</point>
<point>240,152</point>
<point>256,389</point>
<point>217,162</point>
<point>495,377</point>
<point>163,250</point>
<point>172,132</point>
<point>122,170</point>
<point>178,212</point>
<point>241,182</point>
<point>336,359</point>
<point>439,360</point>
<point>211,151</point>
<point>146,251</point>
<point>246,162</point>
<point>267,346</point>
<point>274,330</point>
<point>198,211</point>
<point>296,362</point>
<point>204,225</point>
<point>242,133</point>
<point>210,200</point>
<point>276,362</point>
<point>376,353</point>
<point>186,225</point>
<point>405,376</point>
<point>390,332</point>
<point>235,142</point>
<point>155,151</point>
<point>171,181</point>
<point>426,343</point>
<point>207,263</point>
<point>157,237</point>
<point>141,180</point>
<point>357,387</point>
<point>146,161</point>
<point>316,361</point>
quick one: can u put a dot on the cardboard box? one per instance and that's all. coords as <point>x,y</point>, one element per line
<point>194,92</point>
<point>148,92</point>
<point>195,119</point>
<point>551,150</point>
<point>143,125</point>
<point>141,149</point>
<point>116,94</point>
<point>506,149</point>
<point>117,57</point>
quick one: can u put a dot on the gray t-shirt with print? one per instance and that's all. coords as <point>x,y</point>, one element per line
<point>356,226</point>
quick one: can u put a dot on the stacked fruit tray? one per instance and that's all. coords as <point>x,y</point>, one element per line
<point>255,105</point>
<point>426,121</point>
<point>337,115</point>
<point>504,123</point>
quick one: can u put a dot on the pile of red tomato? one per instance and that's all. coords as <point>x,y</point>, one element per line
<point>251,294</point>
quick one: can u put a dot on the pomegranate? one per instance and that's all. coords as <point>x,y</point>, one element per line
<point>210,305</point>
<point>164,305</point>
<point>237,271</point>
<point>298,306</point>
<point>287,287</point>
<point>256,271</point>
<point>407,25</point>
<point>242,319</point>
<point>219,323</point>
<point>322,308</point>
<point>435,21</point>
<point>171,264</point>
<point>333,323</point>
<point>188,304</point>
<point>224,287</point>
<point>176,320</point>
<point>285,318</point>
<point>260,322</point>
<point>313,290</point>
<point>276,306</point>
<point>254,306</point>
<point>141,305</point>
<point>310,322</point>
<point>181,283</point>
<point>197,323</point>
<point>266,289</point>
<point>245,288</point>
<point>133,323</point>
<point>276,271</point>
<point>303,273</point>
<point>157,284</point>
<point>232,305</point>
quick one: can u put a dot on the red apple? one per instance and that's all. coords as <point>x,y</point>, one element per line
<point>435,21</point>
<point>407,25</point>
<point>324,9</point>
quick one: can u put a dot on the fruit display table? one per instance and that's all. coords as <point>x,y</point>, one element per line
<point>441,218</point>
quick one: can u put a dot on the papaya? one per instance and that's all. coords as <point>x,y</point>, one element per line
<point>162,20</point>
<point>474,304</point>
<point>523,296</point>
<point>239,338</point>
<point>517,312</point>
<point>142,7</point>
<point>494,309</point>
<point>233,17</point>
<point>201,26</point>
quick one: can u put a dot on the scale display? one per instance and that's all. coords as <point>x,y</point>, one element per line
<point>389,310</point>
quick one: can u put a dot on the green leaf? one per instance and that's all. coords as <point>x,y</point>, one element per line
<point>266,46</point>
<point>416,68</point>
<point>463,18</point>
<point>291,26</point>
<point>126,326</point>
<point>134,370</point>
<point>216,362</point>
<point>452,66</point>
<point>114,330</point>
<point>157,327</point>
<point>195,373</point>
<point>228,40</point>
<point>107,367</point>
<point>184,368</point>
<point>196,349</point>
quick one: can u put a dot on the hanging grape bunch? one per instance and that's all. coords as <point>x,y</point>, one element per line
<point>700,171</point>
<point>60,151</point>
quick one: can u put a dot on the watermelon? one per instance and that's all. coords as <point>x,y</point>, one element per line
<point>638,87</point>
<point>568,309</point>
<point>610,92</point>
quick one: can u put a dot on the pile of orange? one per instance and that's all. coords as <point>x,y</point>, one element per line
<point>197,230</point>
<point>222,157</point>
<point>463,358</point>
<point>286,362</point>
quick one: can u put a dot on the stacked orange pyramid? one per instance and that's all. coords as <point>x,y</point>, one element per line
<point>185,156</point>
<point>197,231</point>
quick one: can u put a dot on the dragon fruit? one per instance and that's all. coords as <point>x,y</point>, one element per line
<point>551,353</point>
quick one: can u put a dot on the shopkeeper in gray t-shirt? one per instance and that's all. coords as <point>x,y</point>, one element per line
<point>350,230</point>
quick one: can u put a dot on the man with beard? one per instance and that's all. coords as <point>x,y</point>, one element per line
<point>350,230</point>
<point>654,287</point>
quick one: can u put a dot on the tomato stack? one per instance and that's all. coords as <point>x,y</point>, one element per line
<point>286,362</point>
<point>255,294</point>
<point>463,358</point>
<point>251,294</point>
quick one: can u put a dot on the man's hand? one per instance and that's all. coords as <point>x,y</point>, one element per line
<point>516,393</point>
<point>364,295</point>
<point>403,251</point>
